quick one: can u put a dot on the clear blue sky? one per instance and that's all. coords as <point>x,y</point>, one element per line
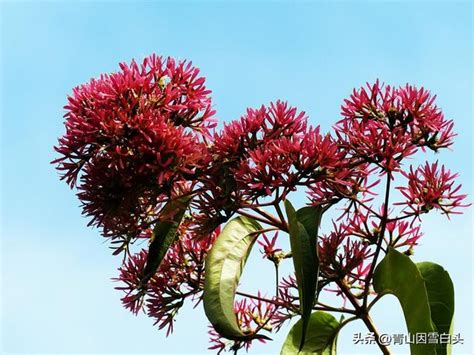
<point>56,290</point>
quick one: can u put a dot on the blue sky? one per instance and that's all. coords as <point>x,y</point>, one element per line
<point>56,290</point>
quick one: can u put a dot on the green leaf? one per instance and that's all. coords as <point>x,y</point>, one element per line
<point>398,275</point>
<point>333,349</point>
<point>440,297</point>
<point>305,260</point>
<point>320,339</point>
<point>164,234</point>
<point>224,265</point>
<point>310,218</point>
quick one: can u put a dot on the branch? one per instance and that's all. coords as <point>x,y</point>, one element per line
<point>383,225</point>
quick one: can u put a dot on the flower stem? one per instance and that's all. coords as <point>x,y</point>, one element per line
<point>383,225</point>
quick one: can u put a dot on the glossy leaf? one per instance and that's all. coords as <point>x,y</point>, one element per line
<point>440,297</point>
<point>398,275</point>
<point>320,339</point>
<point>306,263</point>
<point>164,234</point>
<point>310,218</point>
<point>224,265</point>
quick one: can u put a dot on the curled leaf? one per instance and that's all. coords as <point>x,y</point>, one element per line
<point>224,266</point>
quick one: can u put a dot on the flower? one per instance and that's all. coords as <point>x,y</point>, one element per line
<point>237,169</point>
<point>252,316</point>
<point>272,150</point>
<point>259,126</point>
<point>428,125</point>
<point>130,274</point>
<point>347,179</point>
<point>402,234</point>
<point>431,188</point>
<point>339,254</point>
<point>133,137</point>
<point>384,124</point>
<point>180,276</point>
<point>375,142</point>
<point>121,107</point>
<point>259,149</point>
<point>270,251</point>
<point>286,162</point>
<point>122,194</point>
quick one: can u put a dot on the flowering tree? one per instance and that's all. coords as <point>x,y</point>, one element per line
<point>142,148</point>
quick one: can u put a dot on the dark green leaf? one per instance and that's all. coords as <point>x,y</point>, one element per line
<point>224,265</point>
<point>440,297</point>
<point>310,218</point>
<point>164,234</point>
<point>398,275</point>
<point>320,339</point>
<point>305,260</point>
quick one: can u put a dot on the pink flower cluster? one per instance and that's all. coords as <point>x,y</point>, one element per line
<point>180,276</point>
<point>383,125</point>
<point>252,316</point>
<point>268,153</point>
<point>342,256</point>
<point>133,138</point>
<point>430,187</point>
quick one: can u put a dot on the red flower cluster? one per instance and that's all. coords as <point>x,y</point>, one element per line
<point>252,316</point>
<point>135,135</point>
<point>180,276</point>
<point>269,152</point>
<point>259,149</point>
<point>248,161</point>
<point>340,255</point>
<point>384,125</point>
<point>280,152</point>
<point>430,187</point>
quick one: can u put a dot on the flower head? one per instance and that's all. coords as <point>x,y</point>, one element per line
<point>246,161</point>
<point>340,254</point>
<point>428,126</point>
<point>180,276</point>
<point>430,187</point>
<point>260,148</point>
<point>252,316</point>
<point>384,124</point>
<point>132,136</point>
<point>272,149</point>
